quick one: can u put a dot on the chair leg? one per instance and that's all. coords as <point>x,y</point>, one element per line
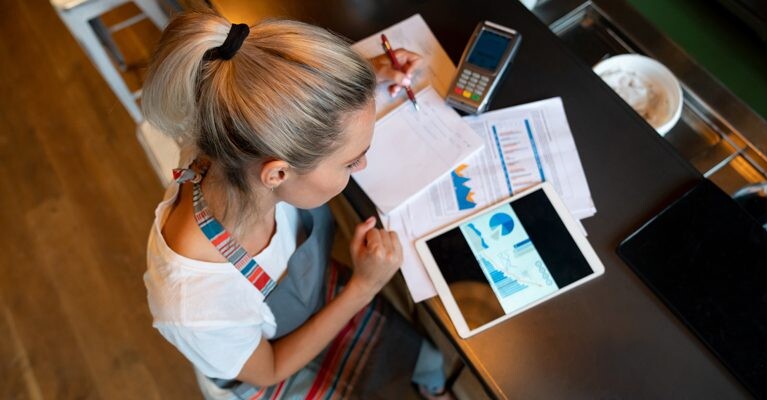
<point>100,58</point>
<point>154,12</point>
<point>105,37</point>
<point>174,5</point>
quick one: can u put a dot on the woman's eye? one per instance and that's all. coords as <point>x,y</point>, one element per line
<point>354,163</point>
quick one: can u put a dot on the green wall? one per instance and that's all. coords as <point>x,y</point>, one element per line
<point>718,41</point>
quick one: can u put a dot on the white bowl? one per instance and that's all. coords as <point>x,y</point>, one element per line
<point>647,86</point>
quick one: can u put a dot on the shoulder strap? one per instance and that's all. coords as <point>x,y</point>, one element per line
<point>220,238</point>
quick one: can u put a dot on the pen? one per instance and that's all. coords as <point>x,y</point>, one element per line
<point>395,65</point>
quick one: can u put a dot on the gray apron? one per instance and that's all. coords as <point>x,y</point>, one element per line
<point>301,293</point>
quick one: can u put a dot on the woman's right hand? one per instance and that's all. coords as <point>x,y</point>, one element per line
<point>376,255</point>
<point>385,72</point>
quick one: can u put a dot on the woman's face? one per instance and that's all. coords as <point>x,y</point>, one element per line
<point>331,175</point>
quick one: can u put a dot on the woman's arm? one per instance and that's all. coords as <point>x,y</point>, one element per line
<point>376,255</point>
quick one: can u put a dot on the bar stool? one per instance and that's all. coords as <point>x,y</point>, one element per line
<point>82,19</point>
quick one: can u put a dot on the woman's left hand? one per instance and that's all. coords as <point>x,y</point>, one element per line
<point>410,63</point>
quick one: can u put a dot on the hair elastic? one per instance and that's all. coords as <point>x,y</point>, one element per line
<point>233,42</point>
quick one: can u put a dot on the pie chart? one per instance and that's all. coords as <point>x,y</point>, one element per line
<point>502,222</point>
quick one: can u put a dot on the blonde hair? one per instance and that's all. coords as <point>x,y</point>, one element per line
<point>283,95</point>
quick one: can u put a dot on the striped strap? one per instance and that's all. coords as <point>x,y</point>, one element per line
<point>224,243</point>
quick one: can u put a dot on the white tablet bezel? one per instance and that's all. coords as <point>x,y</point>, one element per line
<point>572,226</point>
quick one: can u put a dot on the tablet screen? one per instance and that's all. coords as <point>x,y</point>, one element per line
<point>508,257</point>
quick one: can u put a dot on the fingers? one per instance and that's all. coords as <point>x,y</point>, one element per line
<point>398,77</point>
<point>383,243</point>
<point>377,256</point>
<point>360,232</point>
<point>394,89</point>
<point>379,246</point>
<point>374,239</point>
<point>386,242</point>
<point>405,58</point>
<point>409,61</point>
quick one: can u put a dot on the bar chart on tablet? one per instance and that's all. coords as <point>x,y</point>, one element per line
<point>506,286</point>
<point>508,258</point>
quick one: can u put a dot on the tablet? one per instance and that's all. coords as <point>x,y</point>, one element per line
<point>705,257</point>
<point>507,258</point>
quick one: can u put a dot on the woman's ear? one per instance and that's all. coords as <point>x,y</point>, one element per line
<point>274,173</point>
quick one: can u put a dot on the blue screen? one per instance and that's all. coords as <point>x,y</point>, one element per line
<point>488,50</point>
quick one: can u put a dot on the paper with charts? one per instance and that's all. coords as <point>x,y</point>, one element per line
<point>508,258</point>
<point>412,34</point>
<point>524,145</point>
<point>413,149</point>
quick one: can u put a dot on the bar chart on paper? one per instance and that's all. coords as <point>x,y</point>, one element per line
<point>506,166</point>
<point>515,143</point>
<point>464,195</point>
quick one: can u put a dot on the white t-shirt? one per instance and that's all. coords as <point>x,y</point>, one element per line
<point>208,310</point>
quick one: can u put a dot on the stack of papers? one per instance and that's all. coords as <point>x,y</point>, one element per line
<point>450,179</point>
<point>413,149</point>
<point>524,145</point>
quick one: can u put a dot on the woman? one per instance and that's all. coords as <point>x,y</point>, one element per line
<point>277,117</point>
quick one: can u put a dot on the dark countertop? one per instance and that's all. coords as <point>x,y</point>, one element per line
<point>611,338</point>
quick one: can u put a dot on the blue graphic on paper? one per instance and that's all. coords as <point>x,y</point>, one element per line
<point>463,194</point>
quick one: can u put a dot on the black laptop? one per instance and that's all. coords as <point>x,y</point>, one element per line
<point>706,258</point>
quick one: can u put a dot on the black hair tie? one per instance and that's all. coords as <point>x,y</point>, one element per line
<point>233,42</point>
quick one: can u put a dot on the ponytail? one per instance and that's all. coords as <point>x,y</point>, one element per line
<point>168,98</point>
<point>281,95</point>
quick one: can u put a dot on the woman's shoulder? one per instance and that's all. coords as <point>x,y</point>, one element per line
<point>187,292</point>
<point>185,272</point>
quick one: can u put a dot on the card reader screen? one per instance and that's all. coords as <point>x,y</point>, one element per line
<point>488,50</point>
<point>508,257</point>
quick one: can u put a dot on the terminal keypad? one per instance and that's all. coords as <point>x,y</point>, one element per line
<point>471,85</point>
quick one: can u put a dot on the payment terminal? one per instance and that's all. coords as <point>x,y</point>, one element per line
<point>482,65</point>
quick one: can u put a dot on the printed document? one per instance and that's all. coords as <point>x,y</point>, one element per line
<point>524,145</point>
<point>414,35</point>
<point>413,149</point>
